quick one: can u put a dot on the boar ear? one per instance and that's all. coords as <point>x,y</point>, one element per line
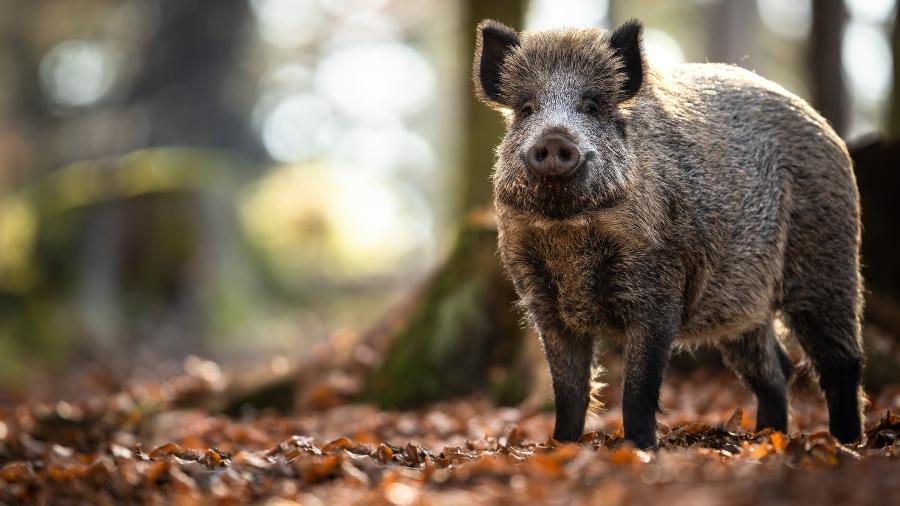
<point>626,41</point>
<point>493,41</point>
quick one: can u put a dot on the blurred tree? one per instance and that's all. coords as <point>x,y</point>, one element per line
<point>878,176</point>
<point>181,83</point>
<point>462,333</point>
<point>829,92</point>
<point>23,110</point>
<point>894,116</point>
<point>732,26</point>
<point>877,167</point>
<point>185,75</point>
<point>131,260</point>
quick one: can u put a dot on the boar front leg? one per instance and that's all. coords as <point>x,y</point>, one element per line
<point>646,355</point>
<point>569,357</point>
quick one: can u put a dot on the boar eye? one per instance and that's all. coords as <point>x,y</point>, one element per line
<point>589,106</point>
<point>526,110</point>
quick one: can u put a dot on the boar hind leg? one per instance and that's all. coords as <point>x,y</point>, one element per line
<point>829,338</point>
<point>570,370</point>
<point>758,359</point>
<point>822,301</point>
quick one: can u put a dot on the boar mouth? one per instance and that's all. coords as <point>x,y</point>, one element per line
<point>555,197</point>
<point>556,210</point>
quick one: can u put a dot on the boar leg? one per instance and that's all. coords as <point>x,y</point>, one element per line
<point>569,357</point>
<point>829,338</point>
<point>758,359</point>
<point>823,292</point>
<point>646,356</point>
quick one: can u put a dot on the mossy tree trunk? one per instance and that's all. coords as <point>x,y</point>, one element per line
<point>462,334</point>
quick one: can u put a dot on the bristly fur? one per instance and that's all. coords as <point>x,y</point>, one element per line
<point>707,201</point>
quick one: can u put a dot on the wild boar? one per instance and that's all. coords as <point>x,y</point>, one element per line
<point>695,203</point>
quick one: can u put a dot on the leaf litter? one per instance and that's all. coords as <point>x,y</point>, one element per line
<point>141,444</point>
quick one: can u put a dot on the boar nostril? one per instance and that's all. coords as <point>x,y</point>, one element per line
<point>553,155</point>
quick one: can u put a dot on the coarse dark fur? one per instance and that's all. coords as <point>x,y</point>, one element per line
<point>708,203</point>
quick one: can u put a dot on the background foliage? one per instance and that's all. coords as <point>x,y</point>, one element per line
<point>243,179</point>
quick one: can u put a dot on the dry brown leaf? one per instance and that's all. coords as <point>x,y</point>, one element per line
<point>384,453</point>
<point>315,469</point>
<point>733,424</point>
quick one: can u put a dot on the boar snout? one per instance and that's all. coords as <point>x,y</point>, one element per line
<point>553,155</point>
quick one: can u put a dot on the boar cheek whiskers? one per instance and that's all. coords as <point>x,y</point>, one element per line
<point>526,174</point>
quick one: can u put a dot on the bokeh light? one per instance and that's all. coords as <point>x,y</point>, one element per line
<point>78,72</point>
<point>312,221</point>
<point>872,11</point>
<point>866,58</point>
<point>661,48</point>
<point>362,28</point>
<point>790,19</point>
<point>288,23</point>
<point>297,127</point>
<point>346,114</point>
<point>376,83</point>
<point>385,151</point>
<point>544,14</point>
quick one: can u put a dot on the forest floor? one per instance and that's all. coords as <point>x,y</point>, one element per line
<point>143,442</point>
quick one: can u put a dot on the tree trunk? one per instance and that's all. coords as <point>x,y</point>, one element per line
<point>894,111</point>
<point>185,73</point>
<point>129,258</point>
<point>876,163</point>
<point>463,333</point>
<point>181,84</point>
<point>483,126</point>
<point>732,27</point>
<point>829,92</point>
